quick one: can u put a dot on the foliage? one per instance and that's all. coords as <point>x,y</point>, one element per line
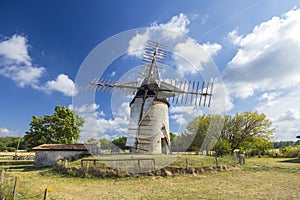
<point>257,146</point>
<point>280,144</point>
<point>120,142</point>
<point>172,137</point>
<point>245,127</point>
<point>198,127</point>
<point>290,152</point>
<point>222,147</point>
<point>181,142</point>
<point>102,143</point>
<point>60,128</point>
<point>248,130</point>
<point>10,143</point>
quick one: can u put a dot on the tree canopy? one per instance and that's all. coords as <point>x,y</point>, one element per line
<point>11,143</point>
<point>60,128</point>
<point>102,143</point>
<point>224,134</point>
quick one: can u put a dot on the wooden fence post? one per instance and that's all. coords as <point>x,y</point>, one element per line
<point>153,164</point>
<point>186,164</point>
<point>47,190</point>
<point>217,163</point>
<point>16,187</point>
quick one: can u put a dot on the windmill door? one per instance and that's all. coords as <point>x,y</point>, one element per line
<point>164,145</point>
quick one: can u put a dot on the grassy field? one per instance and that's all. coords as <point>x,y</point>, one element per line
<point>260,178</point>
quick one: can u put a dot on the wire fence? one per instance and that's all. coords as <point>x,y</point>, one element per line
<point>12,188</point>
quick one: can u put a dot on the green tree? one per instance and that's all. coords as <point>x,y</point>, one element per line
<point>243,127</point>
<point>60,128</point>
<point>172,137</point>
<point>12,142</point>
<point>105,143</point>
<point>92,141</point>
<point>257,146</point>
<point>222,133</point>
<point>205,131</point>
<point>3,146</point>
<point>222,147</point>
<point>120,142</point>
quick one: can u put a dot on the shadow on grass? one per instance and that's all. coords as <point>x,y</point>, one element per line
<point>294,160</point>
<point>19,165</point>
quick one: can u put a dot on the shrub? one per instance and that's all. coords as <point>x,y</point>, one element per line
<point>290,152</point>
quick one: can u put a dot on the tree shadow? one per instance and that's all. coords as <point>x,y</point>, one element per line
<point>294,160</point>
<point>18,165</point>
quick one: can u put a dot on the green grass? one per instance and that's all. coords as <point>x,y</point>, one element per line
<point>259,178</point>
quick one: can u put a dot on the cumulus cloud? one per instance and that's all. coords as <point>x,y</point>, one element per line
<point>190,55</point>
<point>97,126</point>
<point>8,132</point>
<point>179,119</point>
<point>16,64</point>
<point>4,131</point>
<point>177,24</point>
<point>183,114</point>
<point>266,59</point>
<point>15,49</point>
<point>291,114</point>
<point>169,31</point>
<point>62,84</point>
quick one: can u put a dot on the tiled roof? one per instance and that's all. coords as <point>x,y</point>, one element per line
<point>63,147</point>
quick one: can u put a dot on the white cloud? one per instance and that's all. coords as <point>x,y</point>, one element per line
<point>113,73</point>
<point>182,115</point>
<point>8,132</point>
<point>221,100</point>
<point>234,37</point>
<point>15,49</point>
<point>190,55</point>
<point>16,64</point>
<point>179,119</point>
<point>97,126</point>
<point>137,43</point>
<point>186,110</point>
<point>269,96</point>
<point>291,114</point>
<point>266,59</point>
<point>170,31</point>
<point>90,114</point>
<point>177,24</point>
<point>284,112</point>
<point>62,84</point>
<point>23,75</point>
<point>4,131</point>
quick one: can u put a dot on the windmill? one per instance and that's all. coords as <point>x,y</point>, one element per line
<point>148,130</point>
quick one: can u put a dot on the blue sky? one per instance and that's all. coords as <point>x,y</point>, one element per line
<point>254,44</point>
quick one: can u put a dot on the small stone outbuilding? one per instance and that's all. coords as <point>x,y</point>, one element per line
<point>48,154</point>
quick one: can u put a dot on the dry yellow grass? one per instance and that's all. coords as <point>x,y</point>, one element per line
<point>260,179</point>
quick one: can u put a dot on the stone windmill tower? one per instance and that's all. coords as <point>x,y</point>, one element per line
<point>149,121</point>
